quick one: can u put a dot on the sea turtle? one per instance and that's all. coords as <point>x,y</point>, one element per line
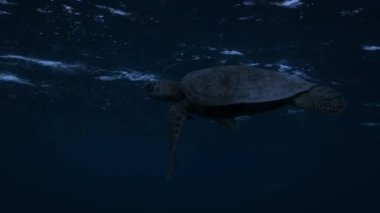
<point>223,93</point>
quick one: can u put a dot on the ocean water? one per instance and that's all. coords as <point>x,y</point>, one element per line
<point>79,133</point>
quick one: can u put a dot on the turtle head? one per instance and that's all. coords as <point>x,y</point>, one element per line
<point>165,90</point>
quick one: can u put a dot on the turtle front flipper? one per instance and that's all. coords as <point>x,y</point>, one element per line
<point>177,116</point>
<point>322,99</point>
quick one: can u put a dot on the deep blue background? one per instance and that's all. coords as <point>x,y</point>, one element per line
<point>85,145</point>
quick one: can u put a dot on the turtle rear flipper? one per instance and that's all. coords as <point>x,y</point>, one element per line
<point>322,99</point>
<point>177,116</point>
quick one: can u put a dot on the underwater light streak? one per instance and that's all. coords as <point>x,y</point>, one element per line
<point>129,75</point>
<point>113,10</point>
<point>288,3</point>
<point>370,124</point>
<point>284,68</point>
<point>42,62</point>
<point>12,78</point>
<point>231,52</point>
<point>370,48</point>
<point>5,2</point>
<point>5,13</point>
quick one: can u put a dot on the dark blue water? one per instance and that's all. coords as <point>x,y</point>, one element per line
<point>79,134</point>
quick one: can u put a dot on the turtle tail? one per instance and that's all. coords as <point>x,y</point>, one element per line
<point>321,98</point>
